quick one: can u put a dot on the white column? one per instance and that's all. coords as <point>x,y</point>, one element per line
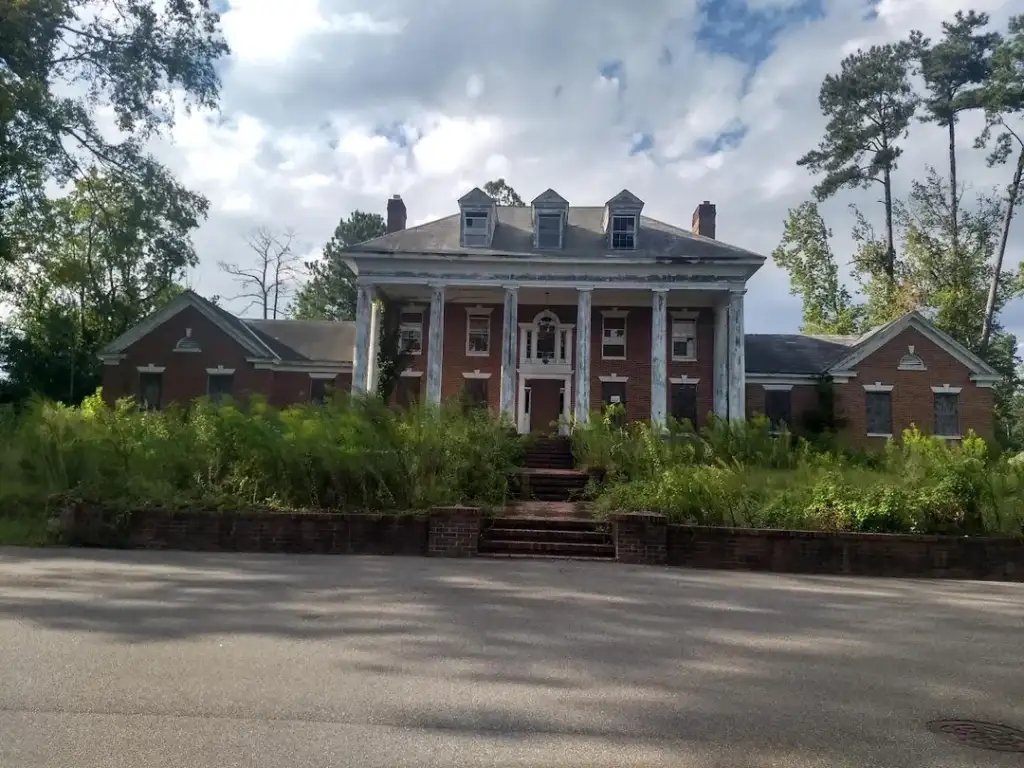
<point>361,354</point>
<point>659,363</point>
<point>721,360</point>
<point>509,357</point>
<point>372,377</point>
<point>435,344</point>
<point>737,359</point>
<point>584,304</point>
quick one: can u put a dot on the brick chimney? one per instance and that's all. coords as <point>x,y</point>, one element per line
<point>704,220</point>
<point>396,214</point>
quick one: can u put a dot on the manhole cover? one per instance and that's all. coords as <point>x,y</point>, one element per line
<point>1000,738</point>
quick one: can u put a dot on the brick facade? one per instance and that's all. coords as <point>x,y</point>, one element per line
<point>185,376</point>
<point>912,396</point>
<point>803,400</point>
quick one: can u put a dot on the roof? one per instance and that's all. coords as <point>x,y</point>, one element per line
<point>780,353</point>
<point>584,237</point>
<point>320,340</point>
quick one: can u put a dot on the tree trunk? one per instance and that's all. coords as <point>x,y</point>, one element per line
<point>953,203</point>
<point>890,248</point>
<point>993,288</point>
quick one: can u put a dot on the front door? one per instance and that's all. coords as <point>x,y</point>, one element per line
<point>545,404</point>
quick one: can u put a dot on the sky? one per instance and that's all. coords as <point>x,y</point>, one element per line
<point>333,105</point>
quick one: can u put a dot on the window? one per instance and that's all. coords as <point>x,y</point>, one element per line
<point>407,391</point>
<point>475,230</point>
<point>318,390</point>
<point>778,407</point>
<point>219,385</point>
<point>613,337</point>
<point>623,231</point>
<point>613,395</point>
<point>684,340</point>
<point>151,386</point>
<point>684,403</point>
<point>475,393</point>
<point>879,413</point>
<point>549,230</point>
<point>410,332</point>
<point>947,414</point>
<point>478,334</point>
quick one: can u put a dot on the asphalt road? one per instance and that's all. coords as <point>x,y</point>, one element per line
<point>118,659</point>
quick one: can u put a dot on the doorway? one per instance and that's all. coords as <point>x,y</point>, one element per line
<point>544,404</point>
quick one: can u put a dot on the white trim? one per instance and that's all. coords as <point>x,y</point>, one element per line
<point>887,436</point>
<point>186,299</point>
<point>324,376</point>
<point>615,314</point>
<point>186,351</point>
<point>475,375</point>
<point>911,361</point>
<point>879,387</point>
<point>614,214</point>
<point>945,389</point>
<point>683,314</point>
<point>777,387</point>
<point>887,333</point>
<point>613,378</point>
<point>985,382</point>
<point>220,370</point>
<point>411,374</point>
<point>484,312</point>
<point>151,368</point>
<point>112,359</point>
<point>413,309</point>
<point>560,212</point>
<point>295,366</point>
<point>683,380</point>
<point>790,380</point>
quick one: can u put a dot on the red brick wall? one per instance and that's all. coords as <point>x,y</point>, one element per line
<point>912,397</point>
<point>804,399</point>
<point>455,361</point>
<point>185,376</point>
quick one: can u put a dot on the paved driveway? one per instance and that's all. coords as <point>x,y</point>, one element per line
<point>168,659</point>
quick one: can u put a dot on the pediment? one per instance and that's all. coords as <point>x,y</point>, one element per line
<point>625,200</point>
<point>476,197</point>
<point>551,199</point>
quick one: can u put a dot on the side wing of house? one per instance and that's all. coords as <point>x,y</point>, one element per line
<point>910,373</point>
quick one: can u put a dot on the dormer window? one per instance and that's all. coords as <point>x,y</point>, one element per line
<point>478,219</point>
<point>622,220</point>
<point>623,231</point>
<point>549,230</point>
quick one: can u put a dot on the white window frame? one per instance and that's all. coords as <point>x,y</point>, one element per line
<point>561,230</point>
<point>476,237</point>
<point>614,314</point>
<point>681,319</point>
<point>611,231</point>
<point>478,313</point>
<point>402,326</point>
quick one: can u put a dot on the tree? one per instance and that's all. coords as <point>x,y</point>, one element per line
<point>503,194</point>
<point>1003,99</point>
<point>64,61</point>
<point>869,105</point>
<point>954,71</point>
<point>89,266</point>
<point>814,274</point>
<point>268,281</point>
<point>330,292</point>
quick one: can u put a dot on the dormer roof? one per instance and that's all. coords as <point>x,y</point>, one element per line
<point>476,198</point>
<point>550,199</point>
<point>625,200</point>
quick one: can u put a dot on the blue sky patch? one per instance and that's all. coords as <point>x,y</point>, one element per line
<point>728,138</point>
<point>732,28</point>
<point>641,142</point>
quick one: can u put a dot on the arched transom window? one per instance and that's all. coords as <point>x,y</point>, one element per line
<point>545,341</point>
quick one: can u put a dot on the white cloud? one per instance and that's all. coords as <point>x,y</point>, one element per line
<point>334,105</point>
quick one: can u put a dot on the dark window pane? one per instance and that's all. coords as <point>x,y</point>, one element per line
<point>151,387</point>
<point>684,403</point>
<point>613,395</point>
<point>778,407</point>
<point>947,414</point>
<point>407,391</point>
<point>318,390</point>
<point>475,392</point>
<point>219,386</point>
<point>879,413</point>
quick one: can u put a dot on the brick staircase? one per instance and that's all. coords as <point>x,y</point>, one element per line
<point>546,537</point>
<point>549,473</point>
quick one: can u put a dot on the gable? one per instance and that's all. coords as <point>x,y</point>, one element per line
<point>912,343</point>
<point>625,200</point>
<point>225,322</point>
<point>549,197</point>
<point>476,197</point>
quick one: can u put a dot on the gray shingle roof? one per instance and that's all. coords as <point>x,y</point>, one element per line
<point>794,353</point>
<point>319,340</point>
<point>584,237</point>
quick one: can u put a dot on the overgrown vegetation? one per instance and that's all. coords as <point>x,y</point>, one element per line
<point>744,476</point>
<point>351,454</point>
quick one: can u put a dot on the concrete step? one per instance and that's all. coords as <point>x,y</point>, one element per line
<point>573,548</point>
<point>545,523</point>
<point>576,535</point>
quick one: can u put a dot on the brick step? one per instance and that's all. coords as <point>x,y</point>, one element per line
<point>539,556</point>
<point>546,534</point>
<point>557,547</point>
<point>544,523</point>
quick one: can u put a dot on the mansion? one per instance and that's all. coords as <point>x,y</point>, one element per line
<point>550,312</point>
